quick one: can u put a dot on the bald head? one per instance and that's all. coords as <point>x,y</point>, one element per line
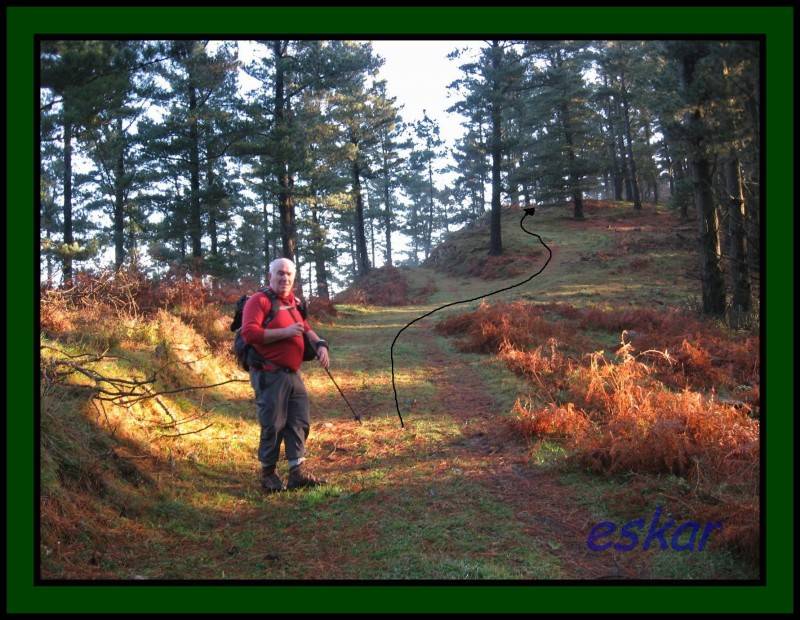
<point>281,276</point>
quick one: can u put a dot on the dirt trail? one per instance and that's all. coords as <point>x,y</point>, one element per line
<point>549,511</point>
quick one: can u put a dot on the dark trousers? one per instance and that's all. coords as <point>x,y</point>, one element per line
<point>282,404</point>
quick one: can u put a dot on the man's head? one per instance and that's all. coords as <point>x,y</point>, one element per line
<point>281,276</point>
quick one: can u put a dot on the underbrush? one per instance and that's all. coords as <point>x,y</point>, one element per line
<point>652,408</point>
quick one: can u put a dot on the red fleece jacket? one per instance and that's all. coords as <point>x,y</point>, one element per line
<point>287,352</point>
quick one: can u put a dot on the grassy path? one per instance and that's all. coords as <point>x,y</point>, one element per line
<point>452,496</point>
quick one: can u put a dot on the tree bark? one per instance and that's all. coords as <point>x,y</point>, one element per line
<point>429,228</point>
<point>119,199</point>
<point>318,244</point>
<point>713,287</point>
<point>495,236</point>
<point>577,194</point>
<point>362,262</point>
<point>740,275</point>
<point>637,199</point>
<point>285,202</point>
<point>387,222</point>
<point>67,268</point>
<point>195,230</point>
<point>267,225</point>
<point>616,174</point>
<point>387,212</point>
<point>211,200</point>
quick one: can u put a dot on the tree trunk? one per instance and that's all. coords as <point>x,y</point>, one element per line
<point>67,275</point>
<point>429,228</point>
<point>713,287</point>
<point>362,261</point>
<point>211,200</point>
<point>710,272</point>
<point>119,199</point>
<point>616,173</point>
<point>682,174</point>
<point>195,230</point>
<point>285,202</point>
<point>318,243</point>
<point>387,221</point>
<point>387,213</point>
<point>623,158</point>
<point>353,253</point>
<point>372,240</point>
<point>740,276</point>
<point>637,200</point>
<point>670,169</point>
<point>574,179</point>
<point>495,236</point>
<point>267,226</point>
<point>482,171</point>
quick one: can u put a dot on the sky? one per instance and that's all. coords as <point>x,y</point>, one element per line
<point>418,73</point>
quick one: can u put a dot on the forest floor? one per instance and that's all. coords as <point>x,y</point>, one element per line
<point>456,493</point>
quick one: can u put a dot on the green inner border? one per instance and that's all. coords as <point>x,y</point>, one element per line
<point>25,22</point>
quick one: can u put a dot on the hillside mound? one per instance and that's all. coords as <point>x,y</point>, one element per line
<point>384,286</point>
<point>465,253</point>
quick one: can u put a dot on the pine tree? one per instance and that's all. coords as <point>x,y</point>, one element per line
<point>78,79</point>
<point>486,90</point>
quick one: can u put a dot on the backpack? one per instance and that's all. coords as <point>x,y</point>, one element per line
<point>246,355</point>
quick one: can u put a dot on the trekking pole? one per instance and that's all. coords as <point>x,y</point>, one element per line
<point>355,415</point>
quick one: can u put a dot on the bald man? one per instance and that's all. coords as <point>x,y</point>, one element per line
<point>281,397</point>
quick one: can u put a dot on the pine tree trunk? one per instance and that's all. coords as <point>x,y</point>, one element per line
<point>67,268</point>
<point>482,173</point>
<point>429,228</point>
<point>361,240</point>
<point>740,276</point>
<point>211,203</point>
<point>574,180</point>
<point>637,200</point>
<point>195,230</point>
<point>119,200</point>
<point>372,240</point>
<point>495,236</point>
<point>670,169</point>
<point>387,224</point>
<point>623,158</point>
<point>710,272</point>
<point>318,243</point>
<point>285,202</point>
<point>616,173</point>
<point>387,213</point>
<point>267,226</point>
<point>713,286</point>
<point>353,254</point>
<point>682,173</point>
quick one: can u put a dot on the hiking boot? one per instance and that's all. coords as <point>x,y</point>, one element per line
<point>299,478</point>
<point>270,482</point>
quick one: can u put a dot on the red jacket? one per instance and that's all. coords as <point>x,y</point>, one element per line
<point>287,352</point>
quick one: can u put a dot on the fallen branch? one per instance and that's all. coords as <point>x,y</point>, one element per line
<point>117,390</point>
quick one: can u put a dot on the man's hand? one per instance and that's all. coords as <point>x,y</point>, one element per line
<point>294,330</point>
<point>323,357</point>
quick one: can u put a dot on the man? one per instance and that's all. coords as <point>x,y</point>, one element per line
<point>281,397</point>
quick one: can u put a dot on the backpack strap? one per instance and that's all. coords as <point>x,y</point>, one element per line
<point>273,308</point>
<point>299,305</point>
